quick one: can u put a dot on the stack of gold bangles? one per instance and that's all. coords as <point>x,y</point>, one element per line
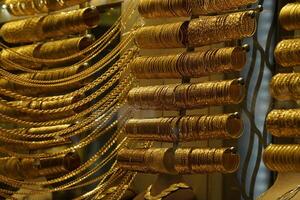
<point>206,160</point>
<point>213,29</point>
<point>153,160</point>
<point>284,123</point>
<point>289,16</point>
<point>197,32</point>
<point>31,7</point>
<point>187,96</point>
<point>286,86</point>
<point>43,105</point>
<point>203,31</point>
<point>31,168</point>
<point>166,8</point>
<point>283,158</point>
<point>179,161</point>
<point>162,36</point>
<point>54,25</point>
<point>191,64</point>
<point>187,128</point>
<point>287,53</point>
<point>203,7</point>
<point>186,8</point>
<point>11,55</point>
<point>52,74</point>
<point>28,116</point>
<point>47,50</point>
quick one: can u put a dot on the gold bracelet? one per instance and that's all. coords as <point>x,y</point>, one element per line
<point>187,96</point>
<point>289,16</point>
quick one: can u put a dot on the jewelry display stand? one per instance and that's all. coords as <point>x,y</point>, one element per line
<point>164,181</point>
<point>284,183</point>
<point>152,101</point>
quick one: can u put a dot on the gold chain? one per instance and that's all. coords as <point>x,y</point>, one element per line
<point>71,118</point>
<point>82,102</point>
<point>81,168</point>
<point>73,78</point>
<point>96,115</point>
<point>123,61</point>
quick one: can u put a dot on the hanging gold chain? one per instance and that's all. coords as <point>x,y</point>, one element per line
<point>123,61</point>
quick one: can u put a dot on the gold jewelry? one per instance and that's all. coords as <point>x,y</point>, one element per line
<point>289,16</point>
<point>282,158</point>
<point>191,64</point>
<point>285,86</point>
<point>207,30</point>
<point>187,96</point>
<point>284,123</point>
<point>188,128</point>
<point>172,188</point>
<point>287,52</point>
<point>40,28</point>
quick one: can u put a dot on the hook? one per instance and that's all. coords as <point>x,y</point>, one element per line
<point>241,81</point>
<point>246,47</point>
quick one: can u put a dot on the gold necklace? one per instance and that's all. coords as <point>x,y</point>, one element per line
<point>172,188</point>
<point>73,78</point>
<point>77,180</point>
<point>45,143</point>
<point>69,107</point>
<point>83,101</point>
<point>124,60</point>
<point>104,185</point>
<point>93,159</point>
<point>126,84</point>
<point>84,142</point>
<point>126,183</point>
